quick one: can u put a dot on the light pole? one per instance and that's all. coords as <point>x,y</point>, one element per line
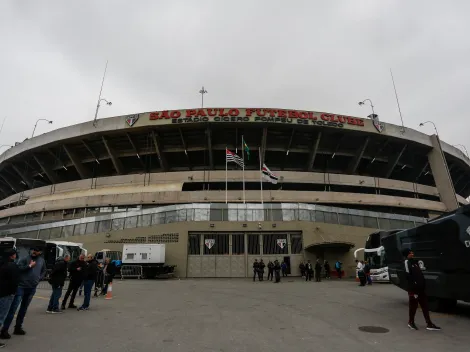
<point>99,96</point>
<point>36,125</point>
<point>461,145</point>
<point>202,92</point>
<point>435,128</point>
<point>371,105</point>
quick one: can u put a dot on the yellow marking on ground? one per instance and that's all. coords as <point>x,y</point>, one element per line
<point>40,297</point>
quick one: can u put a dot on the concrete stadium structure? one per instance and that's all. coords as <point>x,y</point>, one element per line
<point>160,177</point>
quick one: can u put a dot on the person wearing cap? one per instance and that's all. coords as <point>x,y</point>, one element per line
<point>32,270</point>
<point>9,276</point>
<point>416,291</point>
<point>57,281</point>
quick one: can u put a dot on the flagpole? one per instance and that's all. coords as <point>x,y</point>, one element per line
<point>226,172</point>
<point>260,174</point>
<point>243,152</point>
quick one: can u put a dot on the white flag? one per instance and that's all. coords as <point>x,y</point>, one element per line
<point>268,175</point>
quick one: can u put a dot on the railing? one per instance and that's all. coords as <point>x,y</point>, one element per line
<point>131,271</point>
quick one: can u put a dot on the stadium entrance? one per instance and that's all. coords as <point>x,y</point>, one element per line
<point>231,254</point>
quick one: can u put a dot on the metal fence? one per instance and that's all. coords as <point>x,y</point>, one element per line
<point>131,272</point>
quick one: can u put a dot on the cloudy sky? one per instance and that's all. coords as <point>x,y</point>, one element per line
<point>320,56</point>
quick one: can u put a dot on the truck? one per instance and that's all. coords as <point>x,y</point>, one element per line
<point>442,249</point>
<point>151,257</point>
<point>58,249</point>
<point>374,254</point>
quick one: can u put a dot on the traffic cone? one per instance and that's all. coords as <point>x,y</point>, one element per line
<point>109,293</point>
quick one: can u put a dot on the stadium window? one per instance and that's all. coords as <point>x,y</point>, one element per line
<point>343,219</point>
<point>331,218</point>
<point>216,215</point>
<point>270,245</point>
<point>253,244</point>
<point>181,215</point>
<point>320,216</point>
<point>258,215</point>
<point>357,220</point>
<point>104,225</point>
<point>241,214</point>
<point>67,231</point>
<point>384,224</point>
<point>118,224</point>
<point>194,244</point>
<point>304,215</point>
<point>79,229</point>
<point>158,218</point>
<point>397,224</point>
<point>238,244</point>
<point>370,222</point>
<point>171,216</point>
<point>288,215</point>
<point>144,220</point>
<point>55,232</point>
<point>91,227</point>
<point>296,243</point>
<point>44,234</point>
<point>131,222</point>
<point>277,215</point>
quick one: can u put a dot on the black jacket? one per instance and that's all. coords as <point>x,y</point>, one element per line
<point>255,266</point>
<point>327,267</point>
<point>270,266</point>
<point>58,274</point>
<point>415,277</point>
<point>91,271</point>
<point>9,278</point>
<point>261,266</point>
<point>111,269</point>
<point>318,267</point>
<point>309,267</point>
<point>77,275</point>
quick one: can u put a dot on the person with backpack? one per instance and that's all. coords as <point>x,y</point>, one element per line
<point>57,281</point>
<point>9,278</point>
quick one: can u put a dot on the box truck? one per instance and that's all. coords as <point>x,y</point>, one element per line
<point>151,257</point>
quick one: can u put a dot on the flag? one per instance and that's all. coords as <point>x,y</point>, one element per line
<point>268,175</point>
<point>245,147</point>
<point>233,158</point>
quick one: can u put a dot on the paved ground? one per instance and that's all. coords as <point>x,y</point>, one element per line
<point>239,315</point>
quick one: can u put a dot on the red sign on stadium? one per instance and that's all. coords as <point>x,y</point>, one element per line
<point>256,115</point>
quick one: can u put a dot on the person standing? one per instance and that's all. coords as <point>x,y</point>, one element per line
<point>32,270</point>
<point>318,267</point>
<point>270,270</point>
<point>326,265</point>
<point>367,273</point>
<point>284,269</point>
<point>261,270</point>
<point>9,278</point>
<point>339,268</point>
<point>109,273</point>
<point>255,269</point>
<point>277,271</point>
<point>57,281</point>
<point>91,273</point>
<point>302,269</point>
<point>416,291</point>
<point>77,270</point>
<point>360,273</point>
<point>308,271</point>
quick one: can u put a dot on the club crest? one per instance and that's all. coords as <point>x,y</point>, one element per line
<point>379,126</point>
<point>132,119</point>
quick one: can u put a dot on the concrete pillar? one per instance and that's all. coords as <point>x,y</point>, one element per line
<point>441,175</point>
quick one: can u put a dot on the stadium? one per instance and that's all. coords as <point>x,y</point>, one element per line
<point>169,177</point>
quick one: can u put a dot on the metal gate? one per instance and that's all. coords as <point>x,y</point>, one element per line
<point>214,254</point>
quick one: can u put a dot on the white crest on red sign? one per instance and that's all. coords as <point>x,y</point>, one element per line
<point>281,243</point>
<point>379,126</point>
<point>209,243</point>
<point>132,119</point>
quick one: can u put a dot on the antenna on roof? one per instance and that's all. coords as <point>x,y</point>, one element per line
<point>398,102</point>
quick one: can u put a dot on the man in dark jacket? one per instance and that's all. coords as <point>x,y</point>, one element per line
<point>32,271</point>
<point>318,267</point>
<point>91,273</point>
<point>255,269</point>
<point>77,271</point>
<point>261,270</point>
<point>326,265</point>
<point>57,281</point>
<point>277,271</point>
<point>416,291</point>
<point>9,278</point>
<point>308,271</point>
<point>270,270</point>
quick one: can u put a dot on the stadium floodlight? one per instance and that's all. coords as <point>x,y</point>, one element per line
<point>371,105</point>
<point>435,128</point>
<point>36,125</point>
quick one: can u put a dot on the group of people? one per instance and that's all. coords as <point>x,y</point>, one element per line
<point>19,280</point>
<point>274,270</point>
<point>363,272</point>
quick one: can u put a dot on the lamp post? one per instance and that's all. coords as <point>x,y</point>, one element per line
<point>99,96</point>
<point>461,145</point>
<point>202,92</point>
<point>435,128</point>
<point>36,125</point>
<point>371,105</point>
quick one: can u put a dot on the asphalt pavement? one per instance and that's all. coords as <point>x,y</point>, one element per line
<point>241,315</point>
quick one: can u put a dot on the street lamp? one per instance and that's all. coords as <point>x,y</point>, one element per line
<point>98,107</point>
<point>36,125</point>
<point>461,145</point>
<point>435,128</point>
<point>371,105</point>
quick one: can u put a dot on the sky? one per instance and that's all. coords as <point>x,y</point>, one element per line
<point>309,55</point>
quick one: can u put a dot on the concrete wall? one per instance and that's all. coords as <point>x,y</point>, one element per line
<point>176,253</point>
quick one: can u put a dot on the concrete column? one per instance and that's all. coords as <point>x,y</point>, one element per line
<point>441,175</point>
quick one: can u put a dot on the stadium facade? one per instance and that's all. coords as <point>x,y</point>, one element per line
<point>162,177</point>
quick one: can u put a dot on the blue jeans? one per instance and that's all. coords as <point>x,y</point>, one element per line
<point>23,296</point>
<point>87,286</point>
<point>5,304</point>
<point>55,296</point>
